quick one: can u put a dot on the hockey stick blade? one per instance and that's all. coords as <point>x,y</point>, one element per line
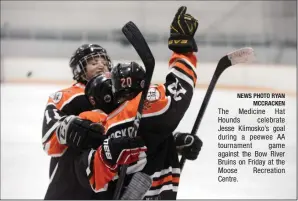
<point>243,55</point>
<point>135,37</point>
<point>138,187</point>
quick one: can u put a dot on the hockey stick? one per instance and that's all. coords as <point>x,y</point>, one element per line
<point>243,55</point>
<point>135,37</point>
<point>137,188</point>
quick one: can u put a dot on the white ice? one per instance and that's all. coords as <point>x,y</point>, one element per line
<point>24,164</point>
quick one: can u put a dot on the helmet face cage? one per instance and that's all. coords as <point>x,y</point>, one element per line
<point>84,61</point>
<point>81,57</point>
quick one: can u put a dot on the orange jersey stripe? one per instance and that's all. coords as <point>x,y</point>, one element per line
<point>165,180</point>
<point>186,70</point>
<point>190,57</point>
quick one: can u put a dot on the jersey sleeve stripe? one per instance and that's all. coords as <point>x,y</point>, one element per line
<point>183,77</point>
<point>186,70</point>
<point>164,180</point>
<point>166,171</point>
<point>90,159</point>
<point>182,71</point>
<point>50,132</point>
<point>189,66</point>
<point>190,58</point>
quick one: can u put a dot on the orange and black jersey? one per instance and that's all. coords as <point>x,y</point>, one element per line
<point>164,108</point>
<point>69,101</point>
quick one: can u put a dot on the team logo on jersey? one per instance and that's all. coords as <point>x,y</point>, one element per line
<point>177,90</point>
<point>153,94</point>
<point>57,97</point>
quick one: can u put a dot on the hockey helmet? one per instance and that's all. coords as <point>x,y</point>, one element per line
<point>99,93</point>
<point>79,59</point>
<point>128,80</point>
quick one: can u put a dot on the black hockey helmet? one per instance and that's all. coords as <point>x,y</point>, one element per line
<point>128,80</point>
<point>99,93</point>
<point>79,59</point>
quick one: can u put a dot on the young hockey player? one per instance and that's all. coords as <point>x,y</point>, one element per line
<point>164,107</point>
<point>86,62</point>
<point>65,134</point>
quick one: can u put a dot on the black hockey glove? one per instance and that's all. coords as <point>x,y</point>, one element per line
<point>188,145</point>
<point>122,151</point>
<point>79,133</point>
<point>183,29</point>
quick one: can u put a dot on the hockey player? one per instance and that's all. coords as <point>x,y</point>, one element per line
<point>164,107</point>
<point>66,134</point>
<point>86,62</point>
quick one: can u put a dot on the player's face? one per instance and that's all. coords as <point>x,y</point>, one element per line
<point>96,66</point>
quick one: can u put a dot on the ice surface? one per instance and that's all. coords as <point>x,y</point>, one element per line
<point>24,165</point>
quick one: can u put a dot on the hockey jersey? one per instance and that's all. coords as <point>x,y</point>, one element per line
<point>69,101</point>
<point>164,108</point>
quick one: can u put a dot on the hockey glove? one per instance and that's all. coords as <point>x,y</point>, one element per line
<point>183,29</point>
<point>188,145</point>
<point>121,151</point>
<point>79,133</point>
